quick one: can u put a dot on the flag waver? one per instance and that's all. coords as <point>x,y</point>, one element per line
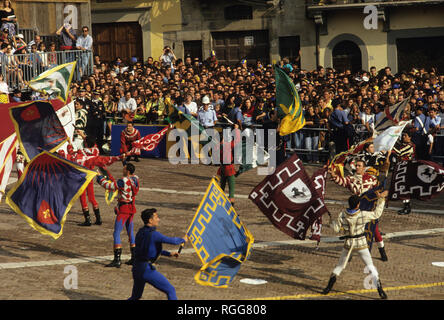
<point>46,192</point>
<point>288,104</point>
<point>37,127</point>
<point>55,81</point>
<point>220,239</point>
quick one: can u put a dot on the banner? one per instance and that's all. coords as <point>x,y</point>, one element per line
<point>319,179</point>
<point>416,179</point>
<point>220,239</point>
<point>288,103</point>
<point>289,199</point>
<point>38,128</point>
<point>46,191</point>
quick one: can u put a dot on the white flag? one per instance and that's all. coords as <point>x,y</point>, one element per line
<point>385,141</point>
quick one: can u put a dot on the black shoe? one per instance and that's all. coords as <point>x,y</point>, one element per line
<point>130,261</point>
<point>136,158</point>
<point>406,210</point>
<point>116,262</point>
<point>383,254</point>
<point>381,292</point>
<point>87,222</point>
<point>330,284</point>
<point>98,218</point>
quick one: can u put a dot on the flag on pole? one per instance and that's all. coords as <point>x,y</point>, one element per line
<point>289,199</point>
<point>67,118</point>
<point>318,179</point>
<point>392,115</point>
<point>385,141</point>
<point>37,127</point>
<point>148,142</point>
<point>46,191</point>
<point>416,179</point>
<point>220,239</point>
<point>288,104</point>
<point>55,81</point>
<point>8,151</point>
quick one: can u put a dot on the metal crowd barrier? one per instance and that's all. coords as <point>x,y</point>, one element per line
<point>20,68</point>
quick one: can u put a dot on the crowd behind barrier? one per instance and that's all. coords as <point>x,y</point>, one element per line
<point>139,91</point>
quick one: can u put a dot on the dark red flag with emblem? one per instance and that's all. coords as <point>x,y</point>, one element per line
<point>290,199</point>
<point>416,179</point>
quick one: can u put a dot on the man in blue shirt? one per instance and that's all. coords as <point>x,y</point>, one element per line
<point>338,122</point>
<point>207,116</point>
<point>148,248</point>
<point>84,43</point>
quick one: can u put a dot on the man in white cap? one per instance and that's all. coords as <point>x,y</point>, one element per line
<point>207,116</point>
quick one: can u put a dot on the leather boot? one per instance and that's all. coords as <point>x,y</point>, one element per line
<point>406,210</point>
<point>382,253</point>
<point>116,262</point>
<point>381,292</point>
<point>130,261</point>
<point>136,158</point>
<point>98,218</point>
<point>87,222</point>
<point>330,284</point>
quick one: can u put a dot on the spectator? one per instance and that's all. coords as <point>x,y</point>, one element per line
<point>36,41</point>
<point>17,96</point>
<point>4,90</point>
<point>52,56</point>
<point>207,116</point>
<point>338,121</point>
<point>8,18</point>
<point>167,58</point>
<point>191,105</point>
<point>84,43</point>
<point>127,107</point>
<point>68,36</point>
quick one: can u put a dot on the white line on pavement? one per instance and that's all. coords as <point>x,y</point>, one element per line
<point>243,196</point>
<point>260,245</point>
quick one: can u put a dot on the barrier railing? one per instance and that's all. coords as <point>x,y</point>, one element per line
<point>20,68</point>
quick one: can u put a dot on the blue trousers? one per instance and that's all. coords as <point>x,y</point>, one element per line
<point>144,272</point>
<point>123,220</point>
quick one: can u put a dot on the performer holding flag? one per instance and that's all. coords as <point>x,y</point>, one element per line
<point>352,222</point>
<point>128,187</point>
<point>148,249</point>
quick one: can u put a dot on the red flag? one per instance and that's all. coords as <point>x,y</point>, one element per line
<point>416,179</point>
<point>148,142</point>
<point>289,198</point>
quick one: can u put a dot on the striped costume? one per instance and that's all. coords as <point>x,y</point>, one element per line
<point>127,139</point>
<point>357,184</point>
<point>404,151</point>
<point>127,187</point>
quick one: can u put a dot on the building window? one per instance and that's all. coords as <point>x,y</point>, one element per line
<point>239,12</point>
<point>289,48</point>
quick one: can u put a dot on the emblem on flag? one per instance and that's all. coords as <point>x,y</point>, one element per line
<point>46,191</point>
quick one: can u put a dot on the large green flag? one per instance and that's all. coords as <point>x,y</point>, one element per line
<point>288,103</point>
<point>55,81</point>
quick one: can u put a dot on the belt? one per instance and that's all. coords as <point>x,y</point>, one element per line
<point>121,203</point>
<point>352,237</point>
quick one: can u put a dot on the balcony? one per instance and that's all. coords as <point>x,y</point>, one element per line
<point>17,69</point>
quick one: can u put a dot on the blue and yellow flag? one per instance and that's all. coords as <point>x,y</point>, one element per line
<point>38,128</point>
<point>288,103</point>
<point>46,191</point>
<point>220,239</point>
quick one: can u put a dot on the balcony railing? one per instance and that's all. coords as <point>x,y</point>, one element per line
<point>20,68</point>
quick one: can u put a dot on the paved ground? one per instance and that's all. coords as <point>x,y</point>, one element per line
<point>32,266</point>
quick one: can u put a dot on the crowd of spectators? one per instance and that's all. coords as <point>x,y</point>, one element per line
<point>245,94</point>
